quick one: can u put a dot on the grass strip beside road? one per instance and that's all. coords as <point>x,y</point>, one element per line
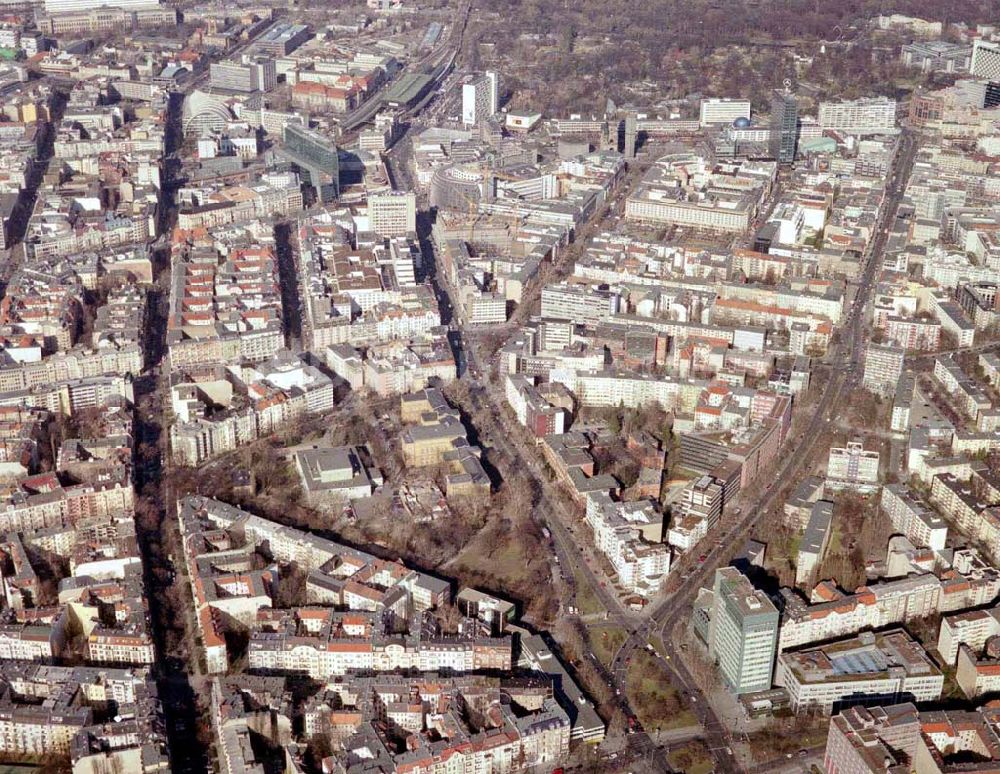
<point>656,701</point>
<point>586,600</point>
<point>606,640</point>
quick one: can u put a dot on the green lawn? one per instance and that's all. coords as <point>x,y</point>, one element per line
<point>653,697</point>
<point>586,600</point>
<point>606,641</point>
<point>691,758</point>
<point>836,542</point>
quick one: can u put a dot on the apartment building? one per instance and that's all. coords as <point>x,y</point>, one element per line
<point>973,512</point>
<point>227,407</point>
<point>836,614</point>
<point>883,368</point>
<point>852,467</point>
<point>867,740</point>
<point>441,736</point>
<point>910,516</point>
<point>859,117</point>
<point>814,543</point>
<point>534,410</point>
<point>970,398</point>
<point>630,535</point>
<point>914,333</point>
<point>323,640</point>
<point>973,628</point>
<point>723,111</point>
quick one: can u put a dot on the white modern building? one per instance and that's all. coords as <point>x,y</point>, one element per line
<point>392,213</point>
<point>860,116</point>
<point>723,111</point>
<point>629,535</point>
<point>985,60</point>
<point>886,667</point>
<point>852,467</point>
<point>921,525</point>
<point>480,98</point>
<point>71,6</point>
<point>883,368</point>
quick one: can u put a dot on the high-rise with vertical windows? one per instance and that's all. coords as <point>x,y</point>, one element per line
<point>985,60</point>
<point>480,98</point>
<point>784,126</point>
<point>392,213</point>
<point>743,632</point>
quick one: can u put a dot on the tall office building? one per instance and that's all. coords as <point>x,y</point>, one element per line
<point>784,126</point>
<point>393,213</point>
<point>257,74</point>
<point>317,159</point>
<point>742,633</point>
<point>631,134</point>
<point>985,60</point>
<point>480,98</point>
<point>992,96</point>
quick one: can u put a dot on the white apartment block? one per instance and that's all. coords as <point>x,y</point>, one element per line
<point>921,525</point>
<point>883,368</point>
<point>723,110</point>
<point>861,116</point>
<point>582,305</point>
<point>972,628</point>
<point>814,543</point>
<point>632,390</point>
<point>852,467</point>
<point>629,535</point>
<point>872,607</point>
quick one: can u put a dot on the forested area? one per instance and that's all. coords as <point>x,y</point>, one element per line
<point>583,52</point>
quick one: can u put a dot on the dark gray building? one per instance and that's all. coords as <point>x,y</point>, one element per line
<point>316,158</point>
<point>784,127</point>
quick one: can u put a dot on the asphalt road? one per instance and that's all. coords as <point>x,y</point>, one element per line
<point>661,619</point>
<point>676,608</point>
<point>845,375</point>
